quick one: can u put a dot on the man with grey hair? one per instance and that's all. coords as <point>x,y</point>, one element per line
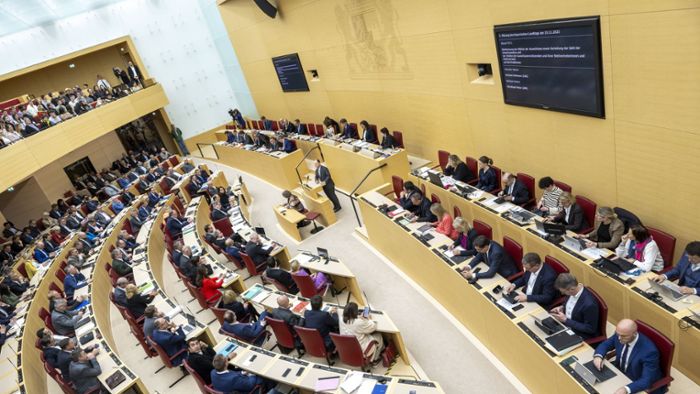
<point>120,291</point>
<point>580,311</point>
<point>62,319</point>
<point>255,250</point>
<point>119,264</point>
<point>537,283</point>
<point>84,370</point>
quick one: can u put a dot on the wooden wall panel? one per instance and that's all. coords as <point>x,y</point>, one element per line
<point>26,202</point>
<point>402,64</point>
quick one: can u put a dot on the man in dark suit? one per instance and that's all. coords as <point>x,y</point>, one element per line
<point>580,311</point>
<point>84,370</point>
<point>74,280</point>
<point>175,224</point>
<point>135,222</point>
<point>346,130</point>
<point>537,283</point>
<point>323,176</point>
<point>214,237</point>
<point>255,250</point>
<point>200,357</point>
<point>171,339</point>
<point>322,321</point>
<point>492,254</point>
<point>267,124</point>
<point>274,272</point>
<point>420,206</point>
<point>635,355</point>
<point>514,191</point>
<point>120,291</point>
<point>687,270</point>
<point>50,350</point>
<point>91,205</point>
<point>248,332</point>
<point>187,262</point>
<point>283,312</point>
<point>134,74</point>
<point>299,127</point>
<point>217,213</point>
<point>228,381</point>
<point>63,358</point>
<point>119,264</point>
<point>285,126</point>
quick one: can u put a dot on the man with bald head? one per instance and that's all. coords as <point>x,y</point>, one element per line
<point>635,355</point>
<point>283,311</point>
<point>171,338</point>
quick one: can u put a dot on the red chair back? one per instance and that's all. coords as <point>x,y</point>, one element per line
<point>61,275</point>
<point>306,285</point>
<point>602,319</point>
<point>200,382</point>
<point>529,182</point>
<point>666,348</point>
<point>589,208</point>
<point>174,161</point>
<point>167,360</point>
<point>498,179</point>
<point>563,186</point>
<point>398,136</point>
<point>127,227</point>
<point>283,334</point>
<point>164,186</point>
<point>275,125</point>
<point>43,313</point>
<point>22,270</point>
<point>434,198</point>
<point>349,350</point>
<point>320,130</point>
<point>457,212</point>
<point>253,269</point>
<point>224,225</point>
<point>397,184</point>
<point>557,265</point>
<point>278,285</point>
<point>219,313</point>
<point>473,168</point>
<point>483,229</point>
<point>39,224</point>
<point>311,128</point>
<point>53,286</point>
<point>233,259</point>
<point>443,155</point>
<point>666,243</point>
<point>515,251</point>
<point>312,340</point>
<point>422,189</point>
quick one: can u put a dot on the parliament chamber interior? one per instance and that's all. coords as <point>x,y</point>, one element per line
<point>349,196</point>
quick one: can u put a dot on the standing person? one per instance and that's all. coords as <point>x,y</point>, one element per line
<point>323,176</point>
<point>176,133</point>
<point>122,76</point>
<point>134,74</point>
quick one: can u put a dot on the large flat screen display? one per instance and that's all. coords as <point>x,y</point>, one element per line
<point>552,65</point>
<point>290,73</point>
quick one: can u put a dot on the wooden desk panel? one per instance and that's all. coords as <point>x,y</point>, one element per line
<point>280,172</point>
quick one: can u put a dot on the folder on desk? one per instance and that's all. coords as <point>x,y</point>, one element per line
<point>327,384</point>
<point>564,341</point>
<point>300,306</point>
<point>252,292</point>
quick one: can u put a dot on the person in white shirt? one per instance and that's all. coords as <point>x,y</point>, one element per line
<point>54,118</point>
<point>537,283</point>
<point>32,109</point>
<point>640,248</point>
<point>102,83</point>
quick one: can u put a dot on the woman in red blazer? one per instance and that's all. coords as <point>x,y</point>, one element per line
<point>209,287</point>
<point>444,222</point>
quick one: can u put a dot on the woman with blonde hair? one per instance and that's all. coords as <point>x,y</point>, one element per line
<point>571,214</point>
<point>465,238</point>
<point>320,279</point>
<point>136,303</point>
<point>457,169</point>
<point>444,221</point>
<point>608,230</point>
<point>229,300</point>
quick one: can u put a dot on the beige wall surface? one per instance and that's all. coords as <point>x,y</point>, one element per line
<point>26,202</point>
<point>402,64</point>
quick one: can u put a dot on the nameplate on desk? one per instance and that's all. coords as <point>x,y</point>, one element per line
<point>691,322</point>
<point>263,351</point>
<point>571,252</point>
<point>294,360</point>
<point>416,383</point>
<point>330,369</point>
<point>420,238</point>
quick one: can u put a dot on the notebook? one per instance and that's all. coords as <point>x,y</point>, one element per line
<point>115,380</point>
<point>300,306</point>
<point>327,384</point>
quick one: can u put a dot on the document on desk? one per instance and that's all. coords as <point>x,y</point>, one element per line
<point>173,312</point>
<point>352,382</point>
<point>500,208</point>
<point>84,329</point>
<point>505,304</point>
<point>595,253</point>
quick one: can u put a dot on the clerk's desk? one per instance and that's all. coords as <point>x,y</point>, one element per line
<point>618,292</point>
<point>474,306</point>
<point>277,168</point>
<point>304,374</point>
<point>288,219</point>
<point>266,298</point>
<point>338,272</point>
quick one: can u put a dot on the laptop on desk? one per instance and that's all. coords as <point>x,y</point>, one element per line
<point>669,290</point>
<point>435,179</point>
<point>574,244</point>
<point>549,325</point>
<point>591,374</point>
<point>521,216</point>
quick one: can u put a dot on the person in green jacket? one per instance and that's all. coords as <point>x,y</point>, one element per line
<point>177,136</point>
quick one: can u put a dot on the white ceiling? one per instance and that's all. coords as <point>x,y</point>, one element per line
<point>18,15</point>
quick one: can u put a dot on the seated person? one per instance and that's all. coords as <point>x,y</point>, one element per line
<point>487,175</point>
<point>40,253</point>
<point>457,169</point>
<point>283,312</point>
<point>120,291</point>
<point>548,205</point>
<point>537,283</point>
<point>255,250</point>
<point>324,322</point>
<point>364,329</point>
<point>63,320</point>
<point>639,247</point>
<point>171,339</point>
<point>571,214</point>
<point>217,212</point>
<point>368,134</point>
<point>443,225</point>
<point>580,311</point>
<point>74,280</point>
<point>243,310</point>
<point>608,230</point>
<point>214,236</point>
<point>119,264</point>
<point>247,332</point>
<point>493,255</point>
<point>388,141</point>
<point>346,130</point>
<point>227,381</point>
<point>200,357</point>
<point>151,314</point>
<point>288,145</point>
<point>187,263</point>
<point>635,355</point>
<point>276,273</point>
<point>231,249</point>
<point>175,223</point>
<point>421,208</point>
<point>405,196</point>
<point>50,350</point>
<point>136,303</point>
<point>465,238</point>
<point>208,286</point>
<point>320,279</point>
<point>687,270</point>
<point>514,191</point>
<point>84,370</point>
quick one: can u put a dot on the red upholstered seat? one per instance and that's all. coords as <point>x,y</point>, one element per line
<point>483,229</point>
<point>529,182</point>
<point>602,320</point>
<point>667,246</point>
<point>443,155</point>
<point>666,348</point>
<point>515,251</point>
<point>589,208</point>
<point>563,186</point>
<point>398,136</point>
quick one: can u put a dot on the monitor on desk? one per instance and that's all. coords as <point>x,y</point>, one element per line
<point>323,253</point>
<point>554,228</point>
<point>260,231</point>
